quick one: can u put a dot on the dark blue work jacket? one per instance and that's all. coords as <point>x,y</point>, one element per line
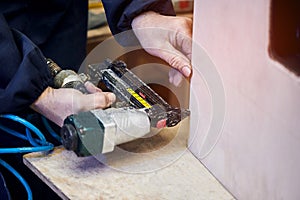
<point>31,30</point>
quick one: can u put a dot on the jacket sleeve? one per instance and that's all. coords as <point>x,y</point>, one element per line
<point>120,13</point>
<point>24,74</point>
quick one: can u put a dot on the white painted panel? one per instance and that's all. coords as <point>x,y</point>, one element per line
<point>257,156</point>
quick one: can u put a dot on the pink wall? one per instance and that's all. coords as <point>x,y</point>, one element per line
<point>257,154</point>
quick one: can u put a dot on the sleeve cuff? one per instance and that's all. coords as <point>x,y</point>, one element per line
<point>120,13</point>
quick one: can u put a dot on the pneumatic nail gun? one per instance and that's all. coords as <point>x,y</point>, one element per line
<point>99,131</point>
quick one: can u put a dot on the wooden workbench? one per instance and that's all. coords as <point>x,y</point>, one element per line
<point>157,167</point>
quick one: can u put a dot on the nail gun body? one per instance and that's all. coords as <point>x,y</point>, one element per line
<point>132,90</point>
<point>142,106</point>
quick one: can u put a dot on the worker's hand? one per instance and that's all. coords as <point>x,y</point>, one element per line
<point>167,37</point>
<point>57,104</point>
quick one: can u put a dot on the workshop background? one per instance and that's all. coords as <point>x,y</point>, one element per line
<point>254,47</point>
<point>245,112</point>
<point>249,99</point>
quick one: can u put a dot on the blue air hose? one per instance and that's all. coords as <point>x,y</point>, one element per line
<point>38,145</point>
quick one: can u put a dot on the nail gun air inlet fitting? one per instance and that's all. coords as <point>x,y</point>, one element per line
<point>66,78</point>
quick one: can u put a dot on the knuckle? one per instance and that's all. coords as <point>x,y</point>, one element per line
<point>185,22</point>
<point>174,61</point>
<point>101,100</point>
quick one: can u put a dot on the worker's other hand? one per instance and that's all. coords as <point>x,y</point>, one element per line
<point>166,37</point>
<point>57,104</point>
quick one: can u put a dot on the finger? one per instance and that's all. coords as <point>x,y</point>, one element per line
<point>184,44</point>
<point>175,77</point>
<point>97,100</point>
<point>175,59</point>
<point>91,87</point>
<point>104,99</point>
